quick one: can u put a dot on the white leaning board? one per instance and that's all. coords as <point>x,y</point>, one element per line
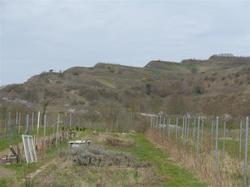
<point>29,148</point>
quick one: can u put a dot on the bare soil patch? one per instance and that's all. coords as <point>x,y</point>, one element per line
<point>115,139</point>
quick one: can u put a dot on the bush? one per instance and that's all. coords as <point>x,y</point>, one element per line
<point>199,90</point>
<point>93,155</point>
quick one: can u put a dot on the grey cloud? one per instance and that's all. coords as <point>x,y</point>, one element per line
<point>57,34</point>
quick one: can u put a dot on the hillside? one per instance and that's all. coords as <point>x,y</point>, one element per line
<point>202,86</point>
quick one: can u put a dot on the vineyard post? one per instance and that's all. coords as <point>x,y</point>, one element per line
<point>183,123</point>
<point>245,173</point>
<point>57,127</point>
<point>168,126</point>
<point>216,144</point>
<point>176,128</point>
<point>9,125</point>
<point>151,121</point>
<point>44,126</point>
<point>32,120</point>
<point>19,122</point>
<point>212,130</point>
<point>38,123</point>
<point>70,119</point>
<point>194,128</point>
<point>188,120</point>
<point>16,119</point>
<point>240,139</point>
<point>27,124</point>
<point>224,138</point>
<point>198,139</point>
<point>202,128</point>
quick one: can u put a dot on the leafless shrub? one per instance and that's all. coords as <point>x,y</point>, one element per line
<point>95,155</point>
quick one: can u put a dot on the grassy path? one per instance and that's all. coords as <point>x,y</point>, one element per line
<point>176,176</point>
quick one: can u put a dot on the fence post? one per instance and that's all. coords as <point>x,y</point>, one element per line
<point>194,129</point>
<point>198,139</point>
<point>185,129</point>
<point>216,144</point>
<point>183,123</point>
<point>16,123</point>
<point>202,128</point>
<point>168,125</point>
<point>44,125</point>
<point>155,122</point>
<point>212,130</point>
<point>151,121</point>
<point>176,128</point>
<point>245,180</point>
<point>16,120</point>
<point>57,127</point>
<point>240,139</point>
<point>187,120</point>
<point>32,120</point>
<point>38,123</point>
<point>5,124</point>
<point>27,124</point>
<point>70,119</point>
<point>9,134</point>
<point>19,122</point>
<point>224,137</point>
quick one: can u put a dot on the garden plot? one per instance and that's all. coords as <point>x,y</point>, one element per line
<point>93,165</point>
<point>106,164</point>
<point>111,159</point>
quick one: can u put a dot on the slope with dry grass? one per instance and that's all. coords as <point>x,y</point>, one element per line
<point>197,85</point>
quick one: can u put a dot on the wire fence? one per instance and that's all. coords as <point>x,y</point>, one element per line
<point>46,128</point>
<point>39,124</point>
<point>215,148</point>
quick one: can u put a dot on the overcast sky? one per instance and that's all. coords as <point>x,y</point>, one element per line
<point>38,35</point>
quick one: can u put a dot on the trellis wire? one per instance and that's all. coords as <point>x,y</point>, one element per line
<point>221,133</point>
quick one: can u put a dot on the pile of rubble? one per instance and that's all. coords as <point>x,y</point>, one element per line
<point>96,155</point>
<point>13,157</point>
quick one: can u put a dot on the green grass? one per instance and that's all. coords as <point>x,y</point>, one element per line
<point>232,148</point>
<point>177,176</point>
<point>3,182</point>
<point>7,141</point>
<point>16,138</point>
